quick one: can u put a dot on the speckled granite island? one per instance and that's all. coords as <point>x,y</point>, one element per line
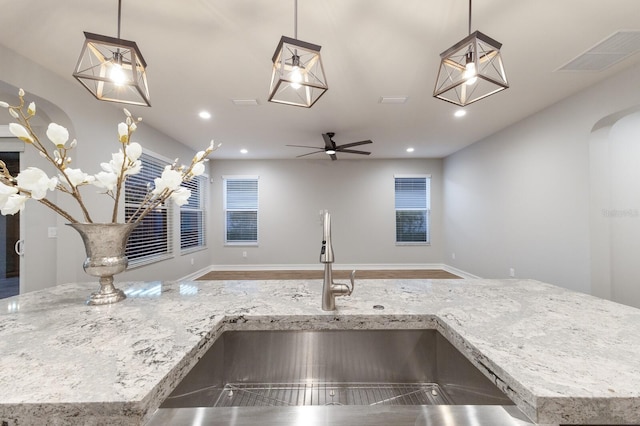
<point>563,357</point>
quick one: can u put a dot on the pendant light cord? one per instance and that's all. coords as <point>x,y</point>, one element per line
<point>295,19</point>
<point>469,16</point>
<point>119,14</point>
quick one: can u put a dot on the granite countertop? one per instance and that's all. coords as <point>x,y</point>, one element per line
<point>563,357</point>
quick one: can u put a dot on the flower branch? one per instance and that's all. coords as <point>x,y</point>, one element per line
<point>34,183</point>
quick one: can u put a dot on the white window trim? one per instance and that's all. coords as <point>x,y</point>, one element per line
<point>415,243</point>
<point>224,208</point>
<point>204,202</point>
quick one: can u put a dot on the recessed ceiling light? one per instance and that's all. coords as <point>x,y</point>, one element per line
<point>410,149</point>
<point>460,113</point>
<point>205,115</point>
<point>243,151</point>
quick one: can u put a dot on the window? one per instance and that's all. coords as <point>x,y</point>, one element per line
<point>150,241</point>
<point>413,204</point>
<point>241,210</point>
<point>192,217</point>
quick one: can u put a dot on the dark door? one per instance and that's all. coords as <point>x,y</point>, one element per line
<point>9,237</point>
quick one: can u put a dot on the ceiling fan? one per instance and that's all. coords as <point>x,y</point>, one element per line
<point>330,147</point>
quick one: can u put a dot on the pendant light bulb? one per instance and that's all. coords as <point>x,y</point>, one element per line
<point>296,78</point>
<point>470,74</point>
<point>116,74</point>
<point>296,72</point>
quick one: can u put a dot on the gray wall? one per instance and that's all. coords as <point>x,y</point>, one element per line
<point>94,124</point>
<point>359,195</point>
<point>520,199</point>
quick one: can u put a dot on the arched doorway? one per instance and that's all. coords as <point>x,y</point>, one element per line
<point>614,157</point>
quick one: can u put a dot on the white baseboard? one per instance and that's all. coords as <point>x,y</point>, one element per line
<point>336,266</point>
<point>197,274</point>
<point>460,272</point>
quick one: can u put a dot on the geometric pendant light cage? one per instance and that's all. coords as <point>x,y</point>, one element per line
<point>113,69</point>
<point>298,76</point>
<point>470,70</point>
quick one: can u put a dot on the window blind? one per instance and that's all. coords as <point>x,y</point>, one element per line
<point>151,240</point>
<point>192,215</point>
<point>241,210</point>
<point>413,205</point>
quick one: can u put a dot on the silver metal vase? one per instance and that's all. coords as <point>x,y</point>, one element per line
<point>105,244</point>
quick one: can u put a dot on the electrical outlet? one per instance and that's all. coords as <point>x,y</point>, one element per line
<point>52,232</point>
<point>192,261</point>
<point>453,256</point>
<point>244,254</point>
<point>512,272</point>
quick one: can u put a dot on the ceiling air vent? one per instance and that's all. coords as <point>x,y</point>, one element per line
<point>613,49</point>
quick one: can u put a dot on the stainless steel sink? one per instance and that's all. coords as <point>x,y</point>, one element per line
<point>265,376</point>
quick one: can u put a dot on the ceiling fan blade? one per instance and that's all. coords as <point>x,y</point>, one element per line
<point>333,157</point>
<point>309,153</point>
<point>353,151</point>
<point>347,145</point>
<point>305,146</point>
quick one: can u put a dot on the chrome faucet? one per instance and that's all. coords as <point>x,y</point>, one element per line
<point>331,290</point>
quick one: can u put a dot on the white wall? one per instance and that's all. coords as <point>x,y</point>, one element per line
<point>359,195</point>
<point>520,198</point>
<point>94,124</point>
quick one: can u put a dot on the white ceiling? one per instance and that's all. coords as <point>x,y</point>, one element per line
<point>201,54</point>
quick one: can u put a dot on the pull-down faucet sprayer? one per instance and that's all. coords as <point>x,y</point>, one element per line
<point>330,290</point>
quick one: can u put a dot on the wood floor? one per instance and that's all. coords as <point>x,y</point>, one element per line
<point>337,274</point>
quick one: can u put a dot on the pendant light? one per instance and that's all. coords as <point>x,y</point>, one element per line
<point>471,69</point>
<point>298,75</point>
<point>113,69</point>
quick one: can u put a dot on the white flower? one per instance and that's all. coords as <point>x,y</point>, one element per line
<point>105,180</point>
<point>134,151</point>
<point>123,132</point>
<point>5,192</point>
<point>170,179</point>
<point>4,104</point>
<point>36,181</point>
<point>197,169</point>
<point>134,168</point>
<point>10,201</point>
<point>31,110</point>
<point>57,134</point>
<point>115,165</point>
<point>14,204</point>
<point>181,196</point>
<point>77,177</point>
<point>20,132</point>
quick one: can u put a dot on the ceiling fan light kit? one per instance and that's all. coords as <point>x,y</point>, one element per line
<point>113,69</point>
<point>471,69</point>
